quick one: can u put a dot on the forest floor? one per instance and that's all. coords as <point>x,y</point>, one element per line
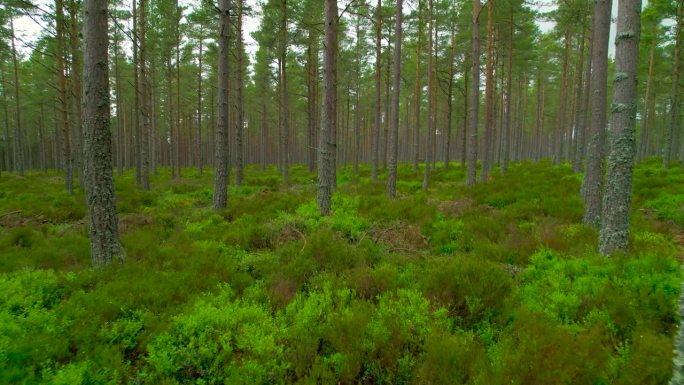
<point>494,284</point>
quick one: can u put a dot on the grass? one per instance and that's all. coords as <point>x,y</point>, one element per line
<point>492,284</point>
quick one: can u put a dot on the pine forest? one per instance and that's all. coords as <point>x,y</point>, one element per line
<point>341,192</point>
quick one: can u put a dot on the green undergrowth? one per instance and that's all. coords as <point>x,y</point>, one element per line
<point>499,283</point>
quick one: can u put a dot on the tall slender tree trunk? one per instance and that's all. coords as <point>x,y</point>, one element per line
<point>327,147</point>
<point>99,181</point>
<point>264,128</point>
<point>76,87</point>
<point>384,150</point>
<point>593,176</point>
<point>170,117</point>
<point>673,128</point>
<point>119,112</point>
<point>284,106</point>
<point>221,159</point>
<point>429,127</point>
<point>375,150</point>
<point>18,142</point>
<point>311,105</point>
<point>560,130</point>
<point>474,94</point>
<point>394,130</point>
<point>450,95</point>
<point>489,96</point>
<point>582,106</point>
<point>357,96</point>
<point>8,146</point>
<point>154,121</point>
<point>200,164</point>
<point>644,139</point>
<point>63,99</point>
<point>136,96</point>
<point>505,132</point>
<point>614,234</point>
<point>466,112</point>
<point>417,91</point>
<point>239,133</point>
<point>177,148</point>
<point>144,118</point>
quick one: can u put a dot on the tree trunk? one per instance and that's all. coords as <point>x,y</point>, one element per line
<point>450,96</point>
<point>8,146</point>
<point>673,128</point>
<point>200,164</point>
<point>99,181</point>
<point>63,99</point>
<point>560,130</point>
<point>489,95</point>
<point>177,148</point>
<point>643,151</point>
<point>76,88</point>
<point>326,160</point>
<point>614,235</point>
<point>136,96</point>
<point>464,131</point>
<point>170,117</point>
<point>119,113</point>
<point>394,130</point>
<point>311,105</point>
<point>429,127</point>
<point>385,133</point>
<point>375,150</point>
<point>418,92</point>
<point>18,145</point>
<point>144,118</point>
<point>284,109</point>
<point>474,95</point>
<point>593,176</point>
<point>582,108</point>
<point>239,160</point>
<point>357,97</point>
<point>505,132</point>
<point>221,160</point>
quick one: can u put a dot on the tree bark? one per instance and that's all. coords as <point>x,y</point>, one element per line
<point>417,91</point>
<point>311,106</point>
<point>643,151</point>
<point>284,108</point>
<point>506,131</point>
<point>474,95</point>
<point>63,99</point>
<point>177,148</point>
<point>18,142</point>
<point>673,128</point>
<point>560,130</point>
<point>221,160</point>
<point>327,147</point>
<point>489,95</point>
<point>450,96</point>
<point>357,96</point>
<point>394,130</point>
<point>76,88</point>
<point>375,150</point>
<point>582,108</point>
<point>136,96</point>
<point>430,116</point>
<point>99,181</point>
<point>144,118</point>
<point>593,176</point>
<point>239,141</point>
<point>119,113</point>
<point>614,234</point>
